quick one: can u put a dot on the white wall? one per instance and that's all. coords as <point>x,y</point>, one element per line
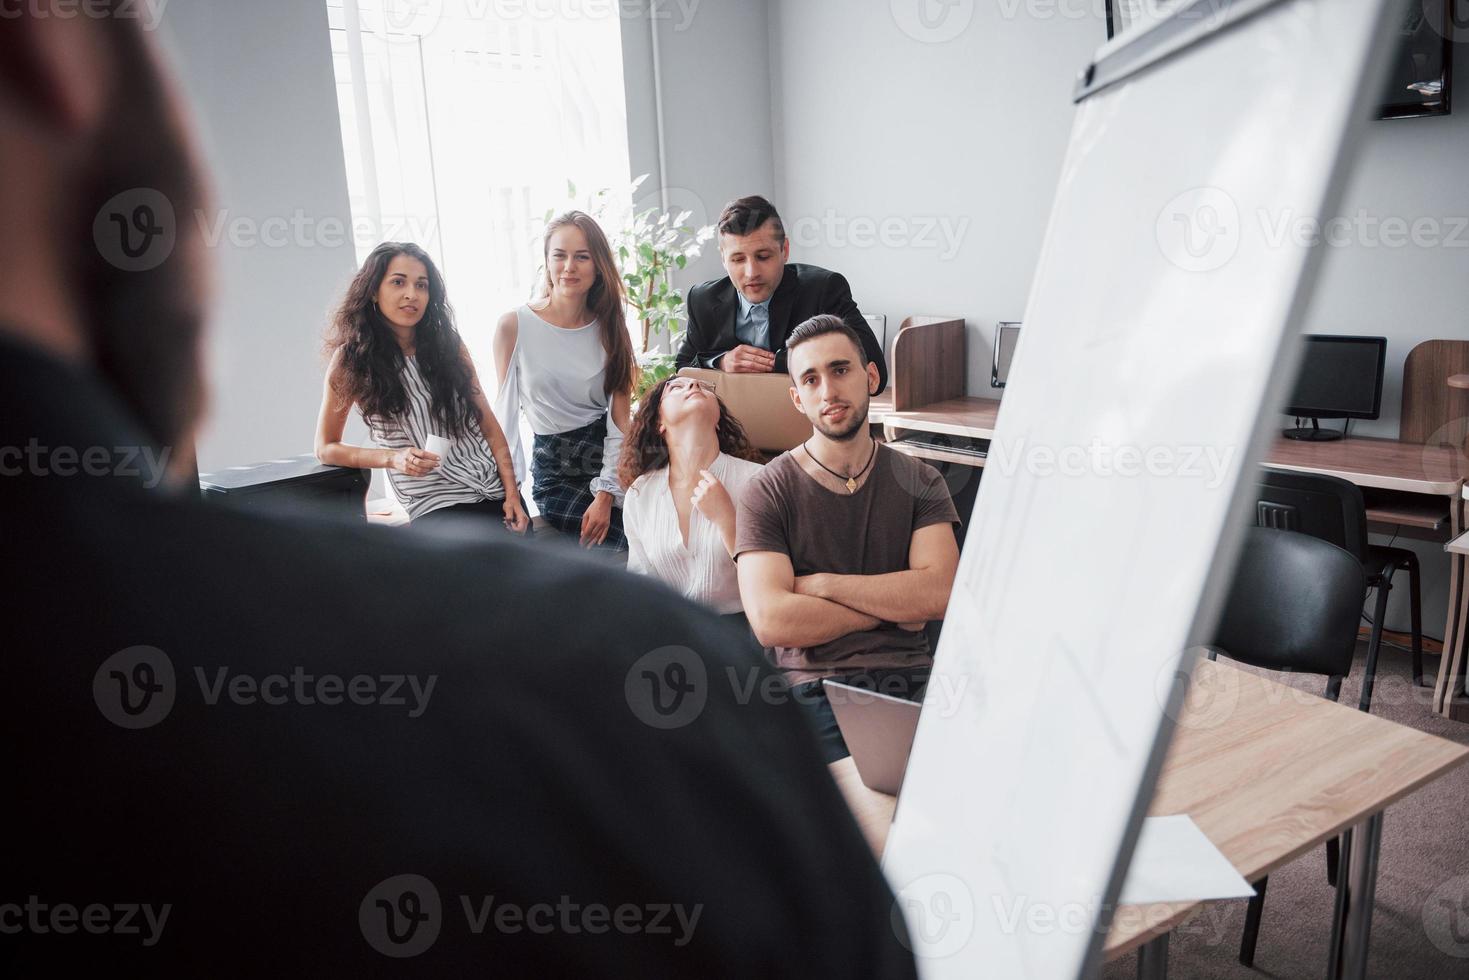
<point>1412,170</point>
<point>920,160</point>
<point>259,77</point>
<point>717,98</point>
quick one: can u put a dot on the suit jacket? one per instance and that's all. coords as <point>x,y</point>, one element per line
<point>276,818</point>
<point>804,292</point>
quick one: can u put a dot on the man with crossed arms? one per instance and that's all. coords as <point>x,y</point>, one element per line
<point>845,546</point>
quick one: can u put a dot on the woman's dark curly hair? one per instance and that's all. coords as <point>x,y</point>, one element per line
<point>373,362</point>
<point>644,449</point>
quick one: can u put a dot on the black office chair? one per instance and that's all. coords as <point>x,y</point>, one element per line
<point>1293,606</point>
<point>1332,509</point>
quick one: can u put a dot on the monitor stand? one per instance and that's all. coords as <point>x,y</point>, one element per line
<point>1314,434</point>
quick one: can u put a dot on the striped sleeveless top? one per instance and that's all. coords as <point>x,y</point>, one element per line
<point>466,474</point>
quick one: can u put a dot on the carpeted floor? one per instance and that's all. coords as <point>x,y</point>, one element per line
<point>1420,927</point>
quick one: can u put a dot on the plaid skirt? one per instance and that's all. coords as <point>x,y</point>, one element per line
<point>562,468</point>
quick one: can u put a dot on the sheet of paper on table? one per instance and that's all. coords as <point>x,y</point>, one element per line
<point>1175,862</point>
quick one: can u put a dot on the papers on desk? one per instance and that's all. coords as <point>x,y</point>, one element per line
<point>1175,862</point>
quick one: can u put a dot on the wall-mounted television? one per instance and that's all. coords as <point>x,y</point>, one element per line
<point>1419,81</point>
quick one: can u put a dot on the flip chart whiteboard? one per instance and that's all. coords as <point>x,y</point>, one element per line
<point>1155,352</point>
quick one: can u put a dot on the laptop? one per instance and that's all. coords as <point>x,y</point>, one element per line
<point>878,730</point>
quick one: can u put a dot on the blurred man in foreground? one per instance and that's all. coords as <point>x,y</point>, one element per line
<point>239,746</point>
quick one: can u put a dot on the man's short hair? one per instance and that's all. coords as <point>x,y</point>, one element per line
<point>747,215</point>
<point>819,326</point>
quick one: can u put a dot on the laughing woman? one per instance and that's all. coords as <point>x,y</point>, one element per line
<point>566,360</point>
<point>686,463</point>
<point>396,355</point>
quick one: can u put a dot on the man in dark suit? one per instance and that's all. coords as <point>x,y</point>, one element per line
<point>243,746</point>
<point>739,323</point>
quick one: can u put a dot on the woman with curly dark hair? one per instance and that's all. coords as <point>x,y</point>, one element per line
<point>396,354</point>
<point>565,359</point>
<point>685,463</point>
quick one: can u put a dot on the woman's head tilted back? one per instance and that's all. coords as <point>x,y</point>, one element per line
<point>399,288</point>
<point>579,262</point>
<point>671,403</point>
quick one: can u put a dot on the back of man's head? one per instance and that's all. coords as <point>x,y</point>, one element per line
<point>100,191</point>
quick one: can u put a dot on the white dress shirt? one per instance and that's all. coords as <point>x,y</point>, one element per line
<point>702,570</point>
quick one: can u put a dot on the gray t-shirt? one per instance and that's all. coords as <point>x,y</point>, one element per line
<point>784,509</point>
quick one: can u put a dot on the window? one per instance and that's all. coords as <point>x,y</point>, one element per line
<point>462,123</point>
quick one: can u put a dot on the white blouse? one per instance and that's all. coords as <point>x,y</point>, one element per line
<point>556,377</point>
<point>702,571</point>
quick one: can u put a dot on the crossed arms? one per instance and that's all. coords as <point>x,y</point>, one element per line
<point>789,611</point>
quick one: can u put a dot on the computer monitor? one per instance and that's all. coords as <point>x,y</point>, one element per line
<point>1007,335</point>
<point>1341,378</point>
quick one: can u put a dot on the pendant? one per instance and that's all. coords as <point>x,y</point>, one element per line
<point>851,484</point>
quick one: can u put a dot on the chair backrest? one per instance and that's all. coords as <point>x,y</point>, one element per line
<point>1294,605</point>
<point>1325,507</point>
<point>928,363</point>
<point>762,404</point>
<point>879,324</point>
<point>1434,413</point>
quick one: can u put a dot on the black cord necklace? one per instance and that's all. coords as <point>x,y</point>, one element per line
<point>851,481</point>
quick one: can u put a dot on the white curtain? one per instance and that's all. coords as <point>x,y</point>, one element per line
<point>463,122</point>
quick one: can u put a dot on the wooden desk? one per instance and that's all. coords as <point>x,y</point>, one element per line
<point>1408,486</point>
<point>1268,773</point>
<point>880,407</point>
<point>1383,464</point>
<point>968,416</point>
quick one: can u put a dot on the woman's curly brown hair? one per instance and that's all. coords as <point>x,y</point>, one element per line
<point>644,449</point>
<point>372,361</point>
